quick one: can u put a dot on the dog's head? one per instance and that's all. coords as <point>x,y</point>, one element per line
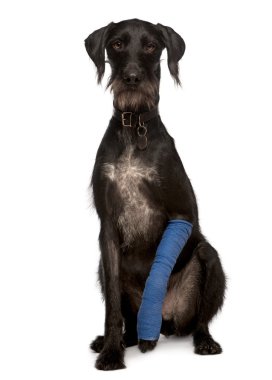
<point>134,49</point>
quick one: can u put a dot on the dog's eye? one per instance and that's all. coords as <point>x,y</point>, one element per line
<point>150,47</point>
<point>117,45</point>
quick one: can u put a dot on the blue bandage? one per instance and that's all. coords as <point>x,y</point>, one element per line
<point>173,240</point>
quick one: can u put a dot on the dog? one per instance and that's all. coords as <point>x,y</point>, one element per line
<point>138,184</point>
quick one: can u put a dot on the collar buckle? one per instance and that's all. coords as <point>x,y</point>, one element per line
<point>126,119</point>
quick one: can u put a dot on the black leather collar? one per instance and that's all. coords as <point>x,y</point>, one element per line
<point>131,119</point>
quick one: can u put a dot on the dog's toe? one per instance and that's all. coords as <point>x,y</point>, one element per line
<point>147,345</point>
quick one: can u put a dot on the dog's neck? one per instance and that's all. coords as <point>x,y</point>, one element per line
<point>134,126</point>
<point>135,119</point>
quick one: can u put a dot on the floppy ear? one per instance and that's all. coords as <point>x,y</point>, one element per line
<point>175,49</point>
<point>95,46</point>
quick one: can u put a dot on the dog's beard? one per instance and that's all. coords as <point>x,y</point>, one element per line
<point>143,97</point>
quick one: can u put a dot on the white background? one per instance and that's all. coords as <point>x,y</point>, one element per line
<point>53,116</point>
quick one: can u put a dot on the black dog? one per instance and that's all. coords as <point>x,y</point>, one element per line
<point>139,183</point>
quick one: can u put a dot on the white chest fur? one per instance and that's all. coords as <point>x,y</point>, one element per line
<point>137,214</point>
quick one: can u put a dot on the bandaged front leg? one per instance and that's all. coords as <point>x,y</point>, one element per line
<point>173,240</point>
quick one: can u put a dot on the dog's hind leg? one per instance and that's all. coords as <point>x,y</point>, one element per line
<point>130,321</point>
<point>212,289</point>
<point>194,296</point>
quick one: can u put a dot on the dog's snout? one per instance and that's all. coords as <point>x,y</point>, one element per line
<point>132,74</point>
<point>132,78</point>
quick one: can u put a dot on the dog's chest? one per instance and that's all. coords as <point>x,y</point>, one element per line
<point>131,177</point>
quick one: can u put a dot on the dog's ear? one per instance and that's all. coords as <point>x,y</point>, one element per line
<point>175,46</point>
<point>95,45</point>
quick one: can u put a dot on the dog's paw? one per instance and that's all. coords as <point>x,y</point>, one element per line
<point>147,345</point>
<point>110,359</point>
<point>97,344</point>
<point>208,347</point>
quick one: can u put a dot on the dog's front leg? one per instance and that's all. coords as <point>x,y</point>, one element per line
<point>112,355</point>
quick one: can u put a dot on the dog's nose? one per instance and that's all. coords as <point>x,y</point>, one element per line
<point>132,77</point>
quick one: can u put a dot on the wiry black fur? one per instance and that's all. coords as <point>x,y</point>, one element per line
<point>124,264</point>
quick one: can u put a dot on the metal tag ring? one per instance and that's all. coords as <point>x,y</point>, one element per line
<point>141,130</point>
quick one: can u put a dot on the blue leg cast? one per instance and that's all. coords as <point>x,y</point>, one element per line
<point>149,317</point>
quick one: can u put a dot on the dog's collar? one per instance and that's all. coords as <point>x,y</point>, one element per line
<point>131,119</point>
